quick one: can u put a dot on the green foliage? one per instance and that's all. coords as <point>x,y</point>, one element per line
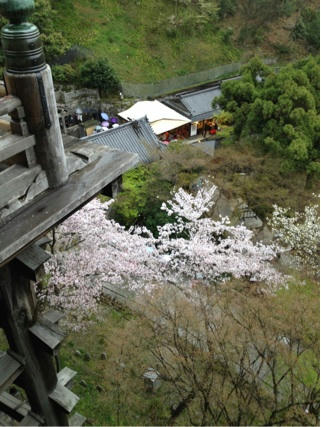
<point>147,187</point>
<point>225,118</point>
<point>226,34</point>
<point>307,28</point>
<point>55,43</point>
<point>140,201</point>
<point>98,74</point>
<point>267,10</point>
<point>64,74</point>
<point>282,49</point>
<point>227,8</point>
<point>281,109</point>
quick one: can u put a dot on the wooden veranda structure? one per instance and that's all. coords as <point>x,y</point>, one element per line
<point>43,180</point>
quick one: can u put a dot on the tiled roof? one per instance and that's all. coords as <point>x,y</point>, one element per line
<point>132,137</point>
<point>197,105</point>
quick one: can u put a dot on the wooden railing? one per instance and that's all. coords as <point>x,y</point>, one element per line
<point>21,177</point>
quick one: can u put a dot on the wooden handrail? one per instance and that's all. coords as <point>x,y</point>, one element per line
<point>8,104</point>
<point>3,90</point>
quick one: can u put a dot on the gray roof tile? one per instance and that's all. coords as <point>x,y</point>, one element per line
<point>133,137</point>
<point>197,104</point>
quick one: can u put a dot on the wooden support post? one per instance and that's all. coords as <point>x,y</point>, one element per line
<point>113,188</point>
<point>36,92</point>
<point>18,312</point>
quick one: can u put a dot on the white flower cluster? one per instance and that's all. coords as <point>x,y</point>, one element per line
<point>100,251</point>
<point>301,233</point>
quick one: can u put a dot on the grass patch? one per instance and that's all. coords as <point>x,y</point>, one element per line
<point>134,39</point>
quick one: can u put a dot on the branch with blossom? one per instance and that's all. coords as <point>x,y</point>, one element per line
<point>192,248</point>
<point>300,232</point>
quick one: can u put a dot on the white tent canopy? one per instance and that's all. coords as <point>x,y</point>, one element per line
<point>161,118</point>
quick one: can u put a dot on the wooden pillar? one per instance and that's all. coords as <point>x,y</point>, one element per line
<point>18,312</point>
<point>36,91</point>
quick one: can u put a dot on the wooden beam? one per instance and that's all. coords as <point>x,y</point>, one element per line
<point>10,369</point>
<point>43,241</point>
<point>39,376</point>
<point>32,419</point>
<point>13,144</point>
<point>13,406</point>
<point>77,420</point>
<point>15,181</point>
<point>64,397</point>
<point>53,316</point>
<point>8,104</point>
<point>48,335</point>
<point>33,257</point>
<point>65,376</point>
<point>52,207</point>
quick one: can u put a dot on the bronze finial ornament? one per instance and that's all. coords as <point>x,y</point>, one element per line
<point>20,39</point>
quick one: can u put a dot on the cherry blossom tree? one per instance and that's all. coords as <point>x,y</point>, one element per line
<point>95,251</point>
<point>300,232</point>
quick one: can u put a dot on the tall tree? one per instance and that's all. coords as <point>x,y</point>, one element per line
<point>281,109</point>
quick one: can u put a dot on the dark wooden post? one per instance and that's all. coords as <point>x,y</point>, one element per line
<point>18,311</point>
<point>29,77</point>
<point>36,92</point>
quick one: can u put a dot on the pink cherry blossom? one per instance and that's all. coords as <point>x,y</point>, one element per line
<point>94,250</point>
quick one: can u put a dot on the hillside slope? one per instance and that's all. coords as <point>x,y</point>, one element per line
<point>149,40</point>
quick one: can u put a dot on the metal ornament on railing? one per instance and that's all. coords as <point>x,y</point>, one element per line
<point>21,43</point>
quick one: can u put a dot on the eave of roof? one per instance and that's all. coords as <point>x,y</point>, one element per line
<point>133,137</point>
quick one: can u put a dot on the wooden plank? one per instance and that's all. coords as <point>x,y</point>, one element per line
<point>38,186</point>
<point>77,420</point>
<point>14,144</point>
<point>10,369</point>
<point>13,406</point>
<point>64,397</point>
<point>43,241</point>
<point>74,163</point>
<point>32,419</point>
<point>8,104</point>
<point>5,125</point>
<point>31,157</point>
<point>66,375</point>
<point>53,316</point>
<point>33,257</point>
<point>47,335</point>
<point>69,140</point>
<point>55,205</point>
<point>15,181</point>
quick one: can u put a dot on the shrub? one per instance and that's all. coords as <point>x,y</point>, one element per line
<point>226,34</point>
<point>307,28</point>
<point>63,73</point>
<point>225,118</point>
<point>98,74</point>
<point>226,8</point>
